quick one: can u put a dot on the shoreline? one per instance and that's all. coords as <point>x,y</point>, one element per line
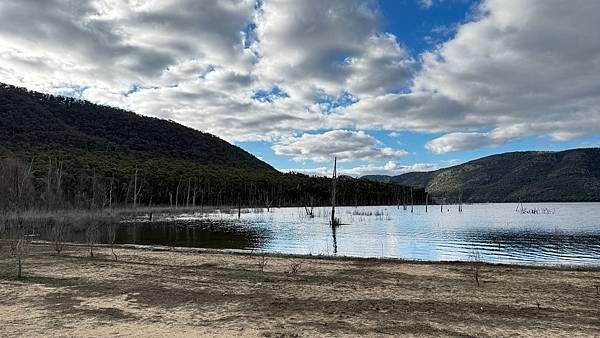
<point>217,293</point>
<point>166,209</point>
<point>243,252</point>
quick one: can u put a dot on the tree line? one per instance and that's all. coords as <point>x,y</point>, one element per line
<point>53,183</point>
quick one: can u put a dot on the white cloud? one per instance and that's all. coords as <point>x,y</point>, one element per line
<point>347,145</point>
<point>200,63</point>
<point>426,3</point>
<point>521,68</point>
<point>518,69</point>
<point>112,44</point>
<point>462,141</point>
<point>390,168</point>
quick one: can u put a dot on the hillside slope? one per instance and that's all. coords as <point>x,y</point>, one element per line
<point>571,175</point>
<point>60,152</point>
<point>34,121</point>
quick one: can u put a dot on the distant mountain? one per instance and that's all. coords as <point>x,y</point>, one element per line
<point>530,176</point>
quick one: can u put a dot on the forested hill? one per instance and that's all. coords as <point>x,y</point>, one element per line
<point>58,152</point>
<point>531,176</point>
<point>37,122</point>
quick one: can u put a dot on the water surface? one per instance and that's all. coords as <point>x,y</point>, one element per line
<point>558,234</point>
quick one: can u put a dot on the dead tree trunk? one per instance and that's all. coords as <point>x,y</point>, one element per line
<point>334,221</point>
<point>177,194</point>
<point>135,191</point>
<point>412,202</point>
<point>187,198</point>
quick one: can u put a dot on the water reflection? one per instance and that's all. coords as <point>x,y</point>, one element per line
<point>205,233</point>
<point>333,234</point>
<point>496,232</point>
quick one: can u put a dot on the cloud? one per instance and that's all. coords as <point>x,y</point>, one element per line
<point>312,47</point>
<point>390,168</point>
<point>309,41</point>
<point>347,145</point>
<point>462,141</point>
<point>112,43</point>
<point>204,63</point>
<point>426,3</point>
<point>516,69</point>
<point>520,68</point>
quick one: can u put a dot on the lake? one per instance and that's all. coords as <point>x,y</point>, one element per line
<point>532,234</point>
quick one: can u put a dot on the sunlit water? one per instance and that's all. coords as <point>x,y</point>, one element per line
<point>560,234</point>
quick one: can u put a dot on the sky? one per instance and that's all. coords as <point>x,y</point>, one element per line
<point>387,86</point>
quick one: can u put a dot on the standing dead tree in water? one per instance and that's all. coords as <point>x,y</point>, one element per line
<point>309,205</point>
<point>239,203</point>
<point>412,201</point>
<point>267,199</point>
<point>334,220</point>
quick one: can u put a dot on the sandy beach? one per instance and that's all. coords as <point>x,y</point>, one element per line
<point>152,293</point>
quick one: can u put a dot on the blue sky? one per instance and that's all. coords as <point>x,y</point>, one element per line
<point>386,86</point>
<point>420,29</point>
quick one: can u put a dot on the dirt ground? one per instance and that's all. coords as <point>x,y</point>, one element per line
<point>172,293</point>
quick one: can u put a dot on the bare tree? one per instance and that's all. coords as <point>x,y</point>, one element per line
<point>309,206</point>
<point>187,197</point>
<point>334,220</point>
<point>19,238</point>
<point>194,193</point>
<point>92,233</point>
<point>294,267</point>
<point>262,261</point>
<point>136,189</point>
<point>412,201</point>
<point>268,200</point>
<point>58,234</point>
<point>177,194</point>
<point>112,237</point>
<point>476,264</point>
<point>16,185</point>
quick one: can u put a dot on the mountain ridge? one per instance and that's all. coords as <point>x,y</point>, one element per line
<point>527,176</point>
<point>62,152</point>
<point>57,123</point>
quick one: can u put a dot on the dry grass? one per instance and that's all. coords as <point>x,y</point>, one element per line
<point>151,293</point>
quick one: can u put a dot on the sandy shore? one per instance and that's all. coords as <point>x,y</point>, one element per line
<point>170,293</point>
